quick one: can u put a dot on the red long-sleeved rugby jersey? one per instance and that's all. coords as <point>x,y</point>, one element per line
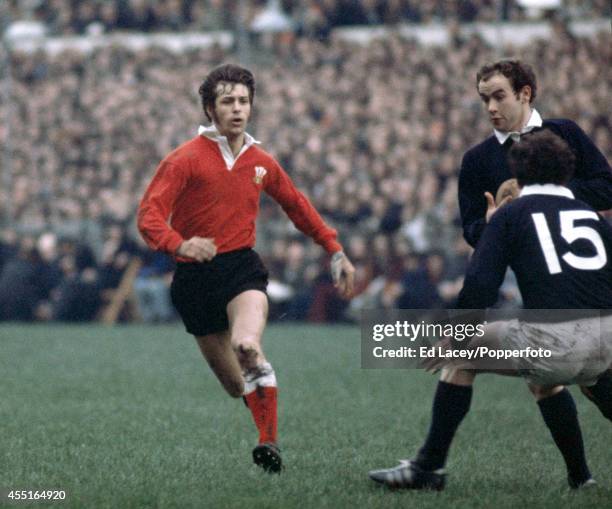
<point>193,193</point>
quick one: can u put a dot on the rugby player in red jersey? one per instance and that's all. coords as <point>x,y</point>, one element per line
<point>201,207</point>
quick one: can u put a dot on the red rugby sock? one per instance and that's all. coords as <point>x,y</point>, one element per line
<point>262,403</point>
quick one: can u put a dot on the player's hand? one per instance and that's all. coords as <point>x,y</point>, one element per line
<point>508,191</point>
<point>198,248</point>
<point>492,207</point>
<point>509,188</point>
<point>343,274</point>
<point>435,364</point>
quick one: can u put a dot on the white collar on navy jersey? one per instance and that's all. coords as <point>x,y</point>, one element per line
<point>535,120</point>
<point>212,133</point>
<point>550,189</point>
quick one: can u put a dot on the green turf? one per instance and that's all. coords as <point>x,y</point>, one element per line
<point>130,417</point>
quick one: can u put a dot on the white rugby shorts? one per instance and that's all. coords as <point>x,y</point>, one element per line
<point>580,350</point>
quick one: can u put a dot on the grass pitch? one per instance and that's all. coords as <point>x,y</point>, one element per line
<point>131,417</point>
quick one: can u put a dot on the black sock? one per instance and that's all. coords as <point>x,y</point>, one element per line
<point>560,415</point>
<point>601,394</point>
<point>450,405</point>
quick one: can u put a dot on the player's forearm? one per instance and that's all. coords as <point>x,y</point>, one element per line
<point>472,210</point>
<point>473,231</point>
<point>157,233</point>
<point>306,219</point>
<point>479,169</point>
<point>317,230</point>
<point>474,295</point>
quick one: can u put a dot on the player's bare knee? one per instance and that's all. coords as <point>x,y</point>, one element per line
<point>247,347</point>
<point>248,351</point>
<point>544,391</point>
<point>457,376</point>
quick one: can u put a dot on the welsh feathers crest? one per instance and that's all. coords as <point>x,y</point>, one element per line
<point>260,173</point>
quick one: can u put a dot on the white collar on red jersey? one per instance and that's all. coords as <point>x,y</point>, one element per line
<point>550,189</point>
<point>535,120</point>
<point>212,133</point>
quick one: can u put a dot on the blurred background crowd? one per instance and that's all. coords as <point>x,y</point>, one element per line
<point>64,17</point>
<point>373,133</point>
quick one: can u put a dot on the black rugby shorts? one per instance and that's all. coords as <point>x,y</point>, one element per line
<point>201,291</point>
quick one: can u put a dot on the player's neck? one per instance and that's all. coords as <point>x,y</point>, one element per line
<point>236,143</point>
<point>524,120</point>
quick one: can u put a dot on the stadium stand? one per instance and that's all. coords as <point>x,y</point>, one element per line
<point>63,17</point>
<point>372,131</point>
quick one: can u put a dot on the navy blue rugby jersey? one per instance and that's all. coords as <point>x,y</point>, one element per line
<point>484,167</point>
<point>559,248</point>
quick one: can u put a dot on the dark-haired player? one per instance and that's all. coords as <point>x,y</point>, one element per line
<point>201,207</point>
<point>560,250</point>
<point>508,89</point>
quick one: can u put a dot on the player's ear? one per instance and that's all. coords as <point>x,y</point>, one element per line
<point>210,112</point>
<point>525,94</point>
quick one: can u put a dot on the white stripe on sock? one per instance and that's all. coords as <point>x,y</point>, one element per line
<point>262,376</point>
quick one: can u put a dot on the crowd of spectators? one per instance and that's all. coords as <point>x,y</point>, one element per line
<point>372,133</point>
<point>66,17</point>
